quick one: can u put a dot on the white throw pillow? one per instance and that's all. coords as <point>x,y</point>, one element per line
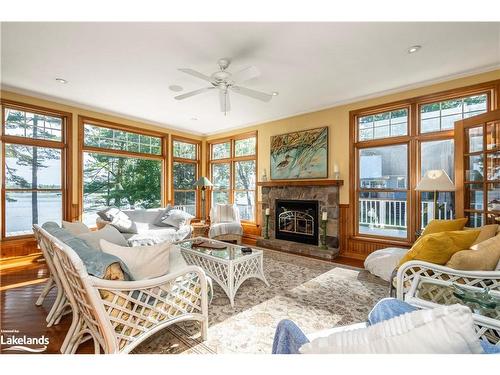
<point>144,262</point>
<point>177,218</point>
<point>445,330</point>
<point>119,219</point>
<point>75,228</point>
<point>108,233</point>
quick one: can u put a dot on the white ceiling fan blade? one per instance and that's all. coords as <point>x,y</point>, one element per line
<point>193,93</point>
<point>225,104</point>
<point>252,93</point>
<point>246,74</point>
<point>196,74</point>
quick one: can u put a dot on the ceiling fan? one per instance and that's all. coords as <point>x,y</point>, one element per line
<point>225,81</point>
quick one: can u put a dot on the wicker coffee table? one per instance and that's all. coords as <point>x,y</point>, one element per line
<point>228,267</point>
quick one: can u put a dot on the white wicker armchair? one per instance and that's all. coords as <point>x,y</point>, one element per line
<point>411,276</point>
<point>119,315</point>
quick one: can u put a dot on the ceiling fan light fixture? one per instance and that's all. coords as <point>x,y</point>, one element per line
<point>414,49</point>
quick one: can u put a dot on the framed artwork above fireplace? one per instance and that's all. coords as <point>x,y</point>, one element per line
<point>300,155</point>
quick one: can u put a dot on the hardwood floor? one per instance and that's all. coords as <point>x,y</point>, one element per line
<point>19,290</point>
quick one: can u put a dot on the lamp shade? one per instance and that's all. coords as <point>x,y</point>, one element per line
<point>435,180</point>
<point>203,182</point>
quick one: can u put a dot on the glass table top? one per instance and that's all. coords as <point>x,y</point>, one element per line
<point>230,252</point>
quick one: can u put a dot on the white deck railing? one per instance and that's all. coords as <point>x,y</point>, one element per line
<point>382,213</point>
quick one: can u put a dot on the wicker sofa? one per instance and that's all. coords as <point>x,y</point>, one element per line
<point>119,315</point>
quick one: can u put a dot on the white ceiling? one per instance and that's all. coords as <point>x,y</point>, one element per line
<point>126,68</point>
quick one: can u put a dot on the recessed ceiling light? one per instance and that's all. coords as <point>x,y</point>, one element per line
<point>175,88</point>
<point>275,93</point>
<point>61,80</point>
<point>414,49</point>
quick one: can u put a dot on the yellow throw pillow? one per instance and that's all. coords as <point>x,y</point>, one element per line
<point>438,248</point>
<point>438,226</point>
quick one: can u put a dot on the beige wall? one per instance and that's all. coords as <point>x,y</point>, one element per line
<point>337,119</point>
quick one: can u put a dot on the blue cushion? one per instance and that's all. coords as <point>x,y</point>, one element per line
<point>96,261</point>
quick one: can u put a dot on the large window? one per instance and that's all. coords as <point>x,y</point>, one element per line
<point>185,171</point>
<point>32,158</point>
<point>121,168</point>
<point>394,150</point>
<point>233,173</point>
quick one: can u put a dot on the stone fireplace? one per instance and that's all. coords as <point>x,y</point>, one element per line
<point>297,220</point>
<point>295,212</point>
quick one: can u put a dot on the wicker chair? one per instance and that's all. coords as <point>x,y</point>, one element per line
<point>225,229</point>
<point>119,315</point>
<point>410,278</point>
<point>61,304</point>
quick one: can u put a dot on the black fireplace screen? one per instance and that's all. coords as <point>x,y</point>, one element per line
<point>297,220</point>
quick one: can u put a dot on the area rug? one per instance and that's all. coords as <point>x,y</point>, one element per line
<point>315,294</point>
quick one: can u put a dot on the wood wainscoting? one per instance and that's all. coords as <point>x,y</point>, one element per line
<point>358,248</point>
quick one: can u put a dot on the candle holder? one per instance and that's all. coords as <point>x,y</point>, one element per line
<point>323,245</point>
<point>266,228</point>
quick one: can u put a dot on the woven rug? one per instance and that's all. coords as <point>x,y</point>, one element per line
<point>315,294</point>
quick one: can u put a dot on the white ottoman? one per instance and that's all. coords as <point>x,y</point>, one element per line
<point>382,262</point>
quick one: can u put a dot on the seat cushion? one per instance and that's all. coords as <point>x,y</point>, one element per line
<point>382,262</point>
<point>154,234</point>
<point>220,229</point>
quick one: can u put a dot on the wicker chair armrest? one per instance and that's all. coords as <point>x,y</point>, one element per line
<point>410,271</point>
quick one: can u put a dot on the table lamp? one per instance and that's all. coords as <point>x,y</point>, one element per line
<point>435,180</point>
<point>203,183</point>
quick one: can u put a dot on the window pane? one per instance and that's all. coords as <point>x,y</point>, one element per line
<point>120,182</point>
<point>221,150</point>
<point>97,136</point>
<point>493,197</point>
<point>475,139</point>
<point>184,150</point>
<point>493,163</point>
<point>446,209</point>
<point>32,125</point>
<point>30,167</point>
<point>383,214</point>
<point>220,176</point>
<point>245,147</point>
<point>475,170</point>
<point>187,199</point>
<point>245,201</point>
<point>23,209</point>
<point>184,176</point>
<point>442,115</point>
<point>493,135</point>
<point>437,155</point>
<point>245,175</point>
<point>383,167</point>
<point>474,197</point>
<point>475,219</point>
<point>382,125</point>
<point>221,197</point>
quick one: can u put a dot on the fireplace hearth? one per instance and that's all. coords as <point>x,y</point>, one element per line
<point>297,220</point>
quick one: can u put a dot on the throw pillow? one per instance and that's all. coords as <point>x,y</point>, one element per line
<point>484,256</point>
<point>118,219</point>
<point>177,218</point>
<point>445,330</point>
<point>225,213</point>
<point>438,248</point>
<point>162,215</point>
<point>437,226</point>
<point>486,232</point>
<point>75,228</point>
<point>108,233</point>
<point>144,262</point>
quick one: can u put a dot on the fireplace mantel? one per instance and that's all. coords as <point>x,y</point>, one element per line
<point>301,183</point>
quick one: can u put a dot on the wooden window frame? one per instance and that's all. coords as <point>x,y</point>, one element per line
<point>232,160</point>
<point>82,148</point>
<point>414,139</point>
<point>66,157</point>
<point>196,161</point>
